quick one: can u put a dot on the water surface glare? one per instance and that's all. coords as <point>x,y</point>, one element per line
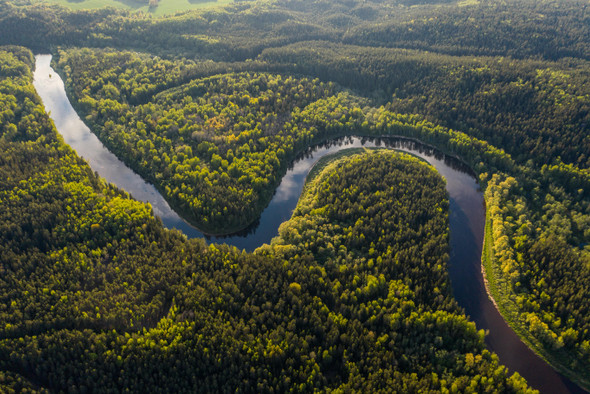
<point>466,218</point>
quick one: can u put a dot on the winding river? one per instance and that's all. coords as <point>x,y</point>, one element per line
<point>466,219</point>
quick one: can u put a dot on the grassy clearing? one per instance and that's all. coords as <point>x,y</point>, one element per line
<point>165,7</point>
<point>465,3</point>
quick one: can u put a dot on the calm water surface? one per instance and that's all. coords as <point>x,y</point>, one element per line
<point>466,218</point>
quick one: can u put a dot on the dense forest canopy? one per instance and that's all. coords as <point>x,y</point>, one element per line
<point>518,28</point>
<point>213,105</point>
<point>97,295</point>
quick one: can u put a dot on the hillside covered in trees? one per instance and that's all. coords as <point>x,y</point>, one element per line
<point>212,106</point>
<point>97,295</point>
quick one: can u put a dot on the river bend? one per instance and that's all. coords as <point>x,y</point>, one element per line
<point>466,218</point>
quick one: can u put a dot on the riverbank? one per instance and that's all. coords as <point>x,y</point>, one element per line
<point>500,295</point>
<point>466,220</point>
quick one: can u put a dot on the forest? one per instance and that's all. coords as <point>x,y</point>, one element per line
<point>212,106</point>
<point>98,296</point>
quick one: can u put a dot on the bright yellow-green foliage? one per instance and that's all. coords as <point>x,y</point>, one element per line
<point>545,207</point>
<point>373,225</point>
<point>215,146</point>
<point>62,229</point>
<point>552,319</point>
<point>97,295</point>
<point>507,89</point>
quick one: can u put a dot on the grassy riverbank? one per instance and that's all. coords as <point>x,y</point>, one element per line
<point>99,296</point>
<point>502,297</point>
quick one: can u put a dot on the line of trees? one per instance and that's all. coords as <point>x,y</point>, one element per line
<point>240,31</point>
<point>98,296</point>
<point>498,107</point>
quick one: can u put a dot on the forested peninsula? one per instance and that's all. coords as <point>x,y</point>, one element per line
<point>212,106</point>
<point>102,297</point>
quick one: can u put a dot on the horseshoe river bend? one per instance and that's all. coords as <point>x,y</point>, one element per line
<point>466,218</point>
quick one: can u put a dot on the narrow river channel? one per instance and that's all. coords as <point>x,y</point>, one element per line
<point>466,219</point>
